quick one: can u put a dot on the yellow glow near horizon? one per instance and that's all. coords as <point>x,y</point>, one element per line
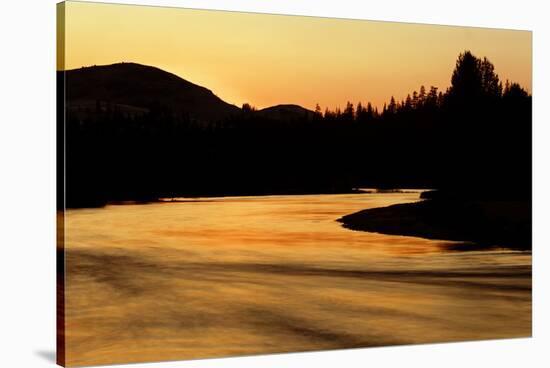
<point>272,59</point>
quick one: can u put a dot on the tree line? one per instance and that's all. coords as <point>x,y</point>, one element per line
<point>474,138</point>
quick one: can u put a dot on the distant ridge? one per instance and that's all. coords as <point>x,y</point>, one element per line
<point>136,88</point>
<point>287,112</point>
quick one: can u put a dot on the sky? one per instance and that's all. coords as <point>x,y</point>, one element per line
<point>267,59</point>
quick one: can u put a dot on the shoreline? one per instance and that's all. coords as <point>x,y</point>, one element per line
<point>194,197</point>
<point>482,223</point>
<point>209,196</point>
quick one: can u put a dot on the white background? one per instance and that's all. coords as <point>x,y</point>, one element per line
<point>27,182</point>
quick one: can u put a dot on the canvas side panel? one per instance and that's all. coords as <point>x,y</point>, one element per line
<point>60,177</point>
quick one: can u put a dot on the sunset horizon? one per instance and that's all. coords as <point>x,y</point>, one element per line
<point>298,62</point>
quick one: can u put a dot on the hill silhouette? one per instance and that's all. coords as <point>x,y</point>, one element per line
<point>287,112</point>
<point>135,89</point>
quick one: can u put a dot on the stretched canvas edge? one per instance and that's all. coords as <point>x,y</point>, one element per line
<point>60,184</point>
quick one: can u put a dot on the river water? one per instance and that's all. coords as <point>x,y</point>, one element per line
<point>250,275</point>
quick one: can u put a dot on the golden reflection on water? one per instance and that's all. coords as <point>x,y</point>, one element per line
<point>250,275</point>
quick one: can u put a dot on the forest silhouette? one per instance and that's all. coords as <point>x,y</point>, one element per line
<point>473,139</point>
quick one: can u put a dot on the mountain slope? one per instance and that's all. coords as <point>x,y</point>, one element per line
<point>137,88</point>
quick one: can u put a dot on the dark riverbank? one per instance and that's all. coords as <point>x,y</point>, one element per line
<point>486,223</point>
<point>186,197</point>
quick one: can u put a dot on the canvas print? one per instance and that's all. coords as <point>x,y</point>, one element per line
<point>234,183</point>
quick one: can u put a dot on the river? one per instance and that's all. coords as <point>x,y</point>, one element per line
<point>250,275</point>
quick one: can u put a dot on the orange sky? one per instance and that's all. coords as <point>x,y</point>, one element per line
<point>271,59</point>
